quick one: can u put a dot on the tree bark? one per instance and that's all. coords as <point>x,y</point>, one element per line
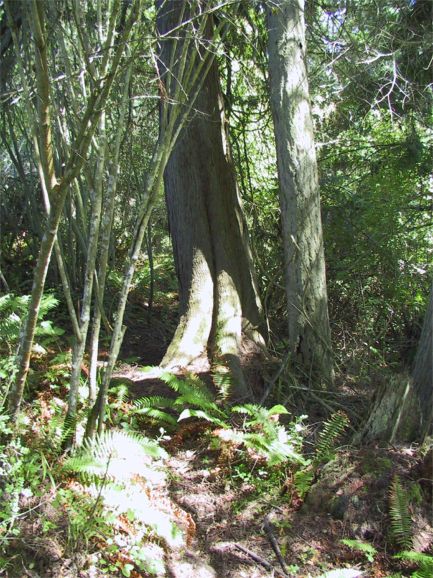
<point>58,192</point>
<point>423,372</point>
<point>219,303</point>
<point>402,409</point>
<point>308,323</point>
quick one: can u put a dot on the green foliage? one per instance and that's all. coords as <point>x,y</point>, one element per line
<point>367,549</point>
<point>22,472</point>
<point>262,433</point>
<point>324,451</point>
<point>93,459</point>
<point>422,560</point>
<point>331,431</point>
<point>193,400</point>
<point>13,309</point>
<point>303,479</point>
<point>400,518</point>
<point>377,240</point>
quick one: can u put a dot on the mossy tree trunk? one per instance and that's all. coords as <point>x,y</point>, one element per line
<point>219,305</point>
<point>307,303</point>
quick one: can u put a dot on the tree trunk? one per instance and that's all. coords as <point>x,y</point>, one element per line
<point>309,333</point>
<point>219,304</point>
<point>402,409</point>
<point>423,372</point>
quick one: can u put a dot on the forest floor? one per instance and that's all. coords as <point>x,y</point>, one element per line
<point>235,519</point>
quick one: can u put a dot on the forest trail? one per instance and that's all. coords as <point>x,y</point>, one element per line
<point>233,529</point>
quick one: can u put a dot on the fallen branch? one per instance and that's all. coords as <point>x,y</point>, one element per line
<point>274,544</point>
<point>259,559</point>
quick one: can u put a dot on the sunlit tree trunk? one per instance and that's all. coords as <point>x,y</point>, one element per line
<point>219,305</point>
<point>309,333</point>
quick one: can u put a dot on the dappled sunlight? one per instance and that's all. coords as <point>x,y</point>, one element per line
<point>132,499</point>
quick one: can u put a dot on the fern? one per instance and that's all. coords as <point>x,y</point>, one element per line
<point>264,435</point>
<point>155,407</point>
<point>191,391</point>
<point>13,310</point>
<point>93,459</point>
<point>193,400</point>
<point>302,480</point>
<point>223,381</point>
<point>367,549</point>
<point>423,561</point>
<point>332,430</point>
<point>400,518</point>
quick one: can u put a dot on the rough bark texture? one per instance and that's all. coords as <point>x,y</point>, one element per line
<point>402,409</point>
<point>394,415</point>
<point>423,371</point>
<point>309,334</point>
<point>218,299</point>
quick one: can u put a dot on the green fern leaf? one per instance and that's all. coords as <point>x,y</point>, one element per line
<point>302,481</point>
<point>400,518</point>
<point>332,430</point>
<point>157,414</point>
<point>93,459</point>
<point>364,547</point>
<point>200,413</point>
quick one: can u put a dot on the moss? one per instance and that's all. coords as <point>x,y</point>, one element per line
<point>372,464</point>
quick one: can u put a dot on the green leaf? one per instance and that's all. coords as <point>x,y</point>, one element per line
<point>278,410</point>
<point>127,569</point>
<point>200,414</point>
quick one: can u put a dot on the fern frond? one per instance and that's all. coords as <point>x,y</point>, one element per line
<point>400,518</point>
<point>157,401</point>
<point>13,310</point>
<point>423,561</point>
<point>302,481</point>
<point>224,382</point>
<point>93,459</point>
<point>364,547</point>
<point>332,430</point>
<point>202,414</point>
<point>158,415</point>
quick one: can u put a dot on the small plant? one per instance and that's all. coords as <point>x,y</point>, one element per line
<point>324,451</point>
<point>364,547</point>
<point>193,400</point>
<point>332,430</point>
<point>13,309</point>
<point>400,518</point>
<point>111,455</point>
<point>423,561</point>
<point>262,434</point>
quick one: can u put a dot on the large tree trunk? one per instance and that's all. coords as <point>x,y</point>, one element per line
<point>218,298</point>
<point>309,333</point>
<point>423,372</point>
<point>402,409</point>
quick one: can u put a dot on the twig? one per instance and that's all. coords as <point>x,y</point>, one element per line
<point>275,377</point>
<point>257,559</point>
<point>274,544</point>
